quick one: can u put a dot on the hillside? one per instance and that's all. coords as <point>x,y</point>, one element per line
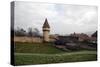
<point>44,53</point>
<point>46,48</point>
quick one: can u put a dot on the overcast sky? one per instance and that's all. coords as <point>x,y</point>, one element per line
<point>62,18</point>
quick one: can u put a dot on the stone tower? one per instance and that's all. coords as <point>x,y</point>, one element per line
<point>46,30</point>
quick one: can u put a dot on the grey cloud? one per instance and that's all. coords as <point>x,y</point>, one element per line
<point>63,19</point>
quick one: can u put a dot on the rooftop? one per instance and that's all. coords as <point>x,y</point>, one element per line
<point>46,25</point>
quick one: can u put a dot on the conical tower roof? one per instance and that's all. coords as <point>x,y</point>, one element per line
<point>46,25</point>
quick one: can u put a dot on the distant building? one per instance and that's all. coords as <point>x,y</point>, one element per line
<point>46,30</point>
<point>81,36</point>
<point>93,38</point>
<point>68,38</point>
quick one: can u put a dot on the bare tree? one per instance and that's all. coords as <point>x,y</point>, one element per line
<point>20,32</point>
<point>33,32</point>
<point>30,32</point>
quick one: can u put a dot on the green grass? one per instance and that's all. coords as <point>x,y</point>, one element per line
<point>24,59</point>
<point>47,48</point>
<point>44,53</point>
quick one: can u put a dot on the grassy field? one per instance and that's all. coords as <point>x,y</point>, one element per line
<point>29,53</point>
<point>46,48</point>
